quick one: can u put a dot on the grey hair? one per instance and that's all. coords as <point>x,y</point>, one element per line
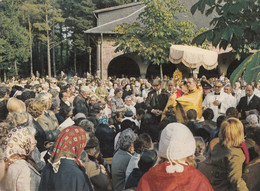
<point>87,125</point>
<point>85,89</point>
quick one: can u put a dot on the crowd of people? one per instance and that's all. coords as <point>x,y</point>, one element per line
<point>75,134</point>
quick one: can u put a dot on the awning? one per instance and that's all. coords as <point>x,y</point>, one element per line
<point>193,57</point>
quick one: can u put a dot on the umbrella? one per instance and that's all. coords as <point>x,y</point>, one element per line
<point>193,57</point>
<point>250,67</point>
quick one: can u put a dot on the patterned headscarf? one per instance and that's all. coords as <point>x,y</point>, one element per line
<point>103,119</point>
<point>69,144</point>
<point>17,144</point>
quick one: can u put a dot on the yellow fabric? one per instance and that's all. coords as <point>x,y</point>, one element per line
<point>171,102</point>
<point>192,100</point>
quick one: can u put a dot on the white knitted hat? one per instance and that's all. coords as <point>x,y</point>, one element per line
<point>178,141</point>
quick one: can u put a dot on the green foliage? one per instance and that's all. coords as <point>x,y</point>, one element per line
<point>100,4</point>
<point>249,68</point>
<point>158,30</point>
<point>14,41</point>
<point>237,24</point>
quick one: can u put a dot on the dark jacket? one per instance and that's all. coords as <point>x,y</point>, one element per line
<point>134,178</point>
<point>106,137</point>
<point>68,178</point>
<point>39,136</point>
<point>242,106</point>
<point>80,105</point>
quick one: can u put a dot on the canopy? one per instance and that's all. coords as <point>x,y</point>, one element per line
<point>249,68</point>
<point>193,57</point>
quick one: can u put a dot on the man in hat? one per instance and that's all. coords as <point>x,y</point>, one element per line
<point>206,89</point>
<point>156,100</point>
<point>217,100</point>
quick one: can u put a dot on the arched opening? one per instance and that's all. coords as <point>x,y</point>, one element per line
<point>123,66</point>
<point>153,70</point>
<point>209,73</point>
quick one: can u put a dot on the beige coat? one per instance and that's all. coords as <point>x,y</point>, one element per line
<point>22,176</point>
<point>227,166</point>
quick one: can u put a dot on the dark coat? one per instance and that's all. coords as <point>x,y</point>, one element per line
<point>68,178</point>
<point>80,105</point>
<point>154,101</point>
<point>134,178</point>
<point>39,136</point>
<point>106,137</point>
<point>242,106</point>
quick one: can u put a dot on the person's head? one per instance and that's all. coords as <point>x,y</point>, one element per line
<point>191,114</point>
<point>126,140</point>
<point>55,106</point>
<point>93,99</point>
<point>3,110</point>
<point>36,109</point>
<point>85,91</point>
<point>17,119</point>
<point>92,147</point>
<point>237,85</point>
<point>69,144</point>
<point>232,112</point>
<point>177,144</point>
<point>53,82</point>
<point>249,90</point>
<point>45,98</point>
<point>119,92</point>
<point>18,144</point>
<point>217,86</point>
<point>156,84</point>
<point>147,160</point>
<point>27,94</point>
<point>128,100</point>
<point>227,89</point>
<point>87,125</point>
<point>191,82</point>
<point>127,87</point>
<point>231,132</point>
<point>15,105</point>
<point>255,136</point>
<point>208,114</point>
<point>127,123</point>
<point>252,120</point>
<point>4,92</point>
<point>119,116</point>
<point>63,95</point>
<point>258,85</point>
<point>170,85</point>
<point>45,86</point>
<point>139,113</point>
<point>200,146</point>
<point>143,142</point>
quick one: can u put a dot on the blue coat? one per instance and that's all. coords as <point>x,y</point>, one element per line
<point>68,178</point>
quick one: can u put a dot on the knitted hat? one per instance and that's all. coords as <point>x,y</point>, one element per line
<point>176,142</point>
<point>147,160</point>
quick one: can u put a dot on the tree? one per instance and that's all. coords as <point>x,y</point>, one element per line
<point>50,16</point>
<point>157,29</point>
<point>14,41</point>
<point>237,25</point>
<point>29,14</point>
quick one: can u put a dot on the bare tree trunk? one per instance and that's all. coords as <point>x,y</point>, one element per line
<point>161,71</point>
<point>75,61</point>
<point>53,53</point>
<point>30,38</point>
<point>61,47</point>
<point>15,68</point>
<point>48,45</point>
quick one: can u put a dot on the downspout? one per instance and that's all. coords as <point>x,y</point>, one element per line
<point>101,57</point>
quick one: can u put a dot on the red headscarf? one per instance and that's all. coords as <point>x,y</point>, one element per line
<point>69,144</point>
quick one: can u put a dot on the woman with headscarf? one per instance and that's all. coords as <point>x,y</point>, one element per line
<point>64,170</point>
<point>175,170</point>
<point>22,172</point>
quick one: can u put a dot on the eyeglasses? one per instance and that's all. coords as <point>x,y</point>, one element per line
<point>217,86</point>
<point>155,85</point>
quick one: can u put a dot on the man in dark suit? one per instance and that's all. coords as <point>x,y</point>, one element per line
<point>248,102</point>
<point>156,100</point>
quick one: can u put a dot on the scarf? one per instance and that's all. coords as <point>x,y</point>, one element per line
<point>69,144</point>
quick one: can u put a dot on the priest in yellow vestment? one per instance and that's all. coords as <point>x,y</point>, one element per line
<point>192,100</point>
